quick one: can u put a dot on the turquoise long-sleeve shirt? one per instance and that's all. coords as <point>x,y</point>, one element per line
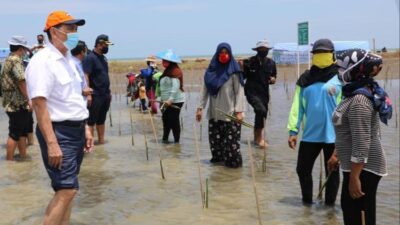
<point>169,89</point>
<point>313,106</point>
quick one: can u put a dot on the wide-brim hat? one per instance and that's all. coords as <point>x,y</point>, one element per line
<point>19,41</point>
<point>169,55</point>
<point>150,58</point>
<point>262,44</point>
<point>61,17</point>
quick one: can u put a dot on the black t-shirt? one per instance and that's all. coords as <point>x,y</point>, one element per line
<point>257,74</point>
<point>97,67</point>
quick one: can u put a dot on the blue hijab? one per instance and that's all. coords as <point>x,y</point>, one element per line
<point>217,73</point>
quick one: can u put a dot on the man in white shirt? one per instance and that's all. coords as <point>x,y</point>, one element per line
<point>54,86</point>
<point>78,54</point>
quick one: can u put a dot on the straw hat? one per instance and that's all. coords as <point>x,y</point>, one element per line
<point>151,58</point>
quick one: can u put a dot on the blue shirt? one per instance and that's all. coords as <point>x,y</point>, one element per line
<point>313,106</point>
<point>96,67</point>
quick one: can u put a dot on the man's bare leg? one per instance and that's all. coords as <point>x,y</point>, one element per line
<point>67,215</point>
<point>11,146</point>
<point>58,206</point>
<point>30,139</point>
<point>100,133</point>
<point>22,147</point>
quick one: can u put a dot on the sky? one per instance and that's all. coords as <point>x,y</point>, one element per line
<point>144,27</point>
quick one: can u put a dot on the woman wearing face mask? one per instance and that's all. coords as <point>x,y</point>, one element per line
<point>172,94</point>
<point>223,88</point>
<point>312,107</point>
<point>356,120</point>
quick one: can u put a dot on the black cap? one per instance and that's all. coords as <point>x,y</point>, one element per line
<point>103,38</point>
<point>323,44</point>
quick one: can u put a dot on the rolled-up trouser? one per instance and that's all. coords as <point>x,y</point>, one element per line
<point>70,136</point>
<point>260,106</point>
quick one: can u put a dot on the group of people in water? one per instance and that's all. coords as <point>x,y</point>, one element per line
<point>337,104</point>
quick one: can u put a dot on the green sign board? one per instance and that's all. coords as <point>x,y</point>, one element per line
<point>302,33</point>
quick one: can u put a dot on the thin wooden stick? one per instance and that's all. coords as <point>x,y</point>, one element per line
<point>206,195</point>
<point>119,121</point>
<point>198,165</point>
<point>395,112</point>
<point>109,113</point>
<point>244,123</point>
<point>130,115</point>
<point>147,148</point>
<point>324,184</point>
<point>320,175</point>
<point>254,181</point>
<point>159,151</point>
<point>201,131</point>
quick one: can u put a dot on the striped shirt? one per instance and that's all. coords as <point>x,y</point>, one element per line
<point>357,135</point>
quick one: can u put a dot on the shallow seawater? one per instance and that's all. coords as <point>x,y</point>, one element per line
<point>120,186</point>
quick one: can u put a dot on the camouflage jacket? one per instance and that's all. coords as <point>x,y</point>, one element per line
<point>11,74</point>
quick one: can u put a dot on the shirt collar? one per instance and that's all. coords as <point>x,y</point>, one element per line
<point>56,54</point>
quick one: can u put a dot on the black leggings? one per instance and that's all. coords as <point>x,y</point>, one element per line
<point>352,207</point>
<point>170,118</point>
<point>308,152</point>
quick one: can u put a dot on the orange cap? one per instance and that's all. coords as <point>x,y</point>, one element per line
<point>58,17</point>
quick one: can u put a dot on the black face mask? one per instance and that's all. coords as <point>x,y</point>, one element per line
<point>104,50</point>
<point>40,42</point>
<point>262,54</point>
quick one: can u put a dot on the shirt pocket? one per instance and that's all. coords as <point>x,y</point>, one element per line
<point>61,75</point>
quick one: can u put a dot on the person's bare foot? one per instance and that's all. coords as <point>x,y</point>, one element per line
<point>261,144</point>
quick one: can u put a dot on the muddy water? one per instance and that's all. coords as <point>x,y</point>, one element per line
<point>119,186</point>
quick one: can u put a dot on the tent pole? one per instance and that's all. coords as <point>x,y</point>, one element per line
<point>298,63</point>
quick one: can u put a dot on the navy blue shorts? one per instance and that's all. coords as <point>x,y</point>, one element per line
<point>71,140</point>
<point>98,110</point>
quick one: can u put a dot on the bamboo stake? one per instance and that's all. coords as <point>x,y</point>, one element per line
<point>181,123</point>
<point>109,113</point>
<point>320,175</point>
<point>201,131</point>
<point>159,151</point>
<point>130,115</point>
<point>254,181</point>
<point>206,195</point>
<point>395,111</point>
<point>324,184</point>
<point>147,148</point>
<point>198,165</point>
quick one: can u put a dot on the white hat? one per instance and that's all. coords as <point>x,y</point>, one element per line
<point>19,41</point>
<point>262,43</point>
